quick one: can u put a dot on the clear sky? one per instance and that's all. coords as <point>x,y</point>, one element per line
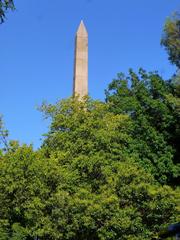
<point>37,47</point>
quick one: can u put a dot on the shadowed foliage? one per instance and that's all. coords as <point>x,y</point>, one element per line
<point>5,5</point>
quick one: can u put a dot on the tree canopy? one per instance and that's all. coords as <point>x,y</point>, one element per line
<point>153,106</point>
<point>83,183</point>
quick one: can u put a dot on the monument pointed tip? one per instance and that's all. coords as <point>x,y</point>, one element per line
<point>82,23</point>
<point>82,29</point>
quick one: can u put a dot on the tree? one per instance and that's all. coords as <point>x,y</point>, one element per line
<point>153,107</point>
<point>27,182</point>
<point>20,187</point>
<point>82,184</point>
<point>80,127</point>
<point>171,39</point>
<point>110,196</point>
<point>4,6</point>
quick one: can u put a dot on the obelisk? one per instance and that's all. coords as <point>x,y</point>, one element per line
<point>80,82</point>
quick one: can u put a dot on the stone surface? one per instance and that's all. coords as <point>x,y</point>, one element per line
<point>80,86</point>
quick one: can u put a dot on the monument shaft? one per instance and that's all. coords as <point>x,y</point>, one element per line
<point>80,86</point>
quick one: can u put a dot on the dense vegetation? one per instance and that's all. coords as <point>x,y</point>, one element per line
<point>84,183</point>
<point>153,106</point>
<point>106,170</point>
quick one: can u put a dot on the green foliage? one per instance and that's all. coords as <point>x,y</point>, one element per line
<point>82,184</point>
<point>111,196</point>
<point>126,204</point>
<point>27,182</point>
<point>20,185</point>
<point>153,105</point>
<point>86,128</point>
<point>171,39</point>
<point>4,6</point>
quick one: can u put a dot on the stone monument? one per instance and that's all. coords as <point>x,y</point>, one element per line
<point>80,81</point>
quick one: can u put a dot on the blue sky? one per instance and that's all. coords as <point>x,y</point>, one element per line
<point>37,47</point>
